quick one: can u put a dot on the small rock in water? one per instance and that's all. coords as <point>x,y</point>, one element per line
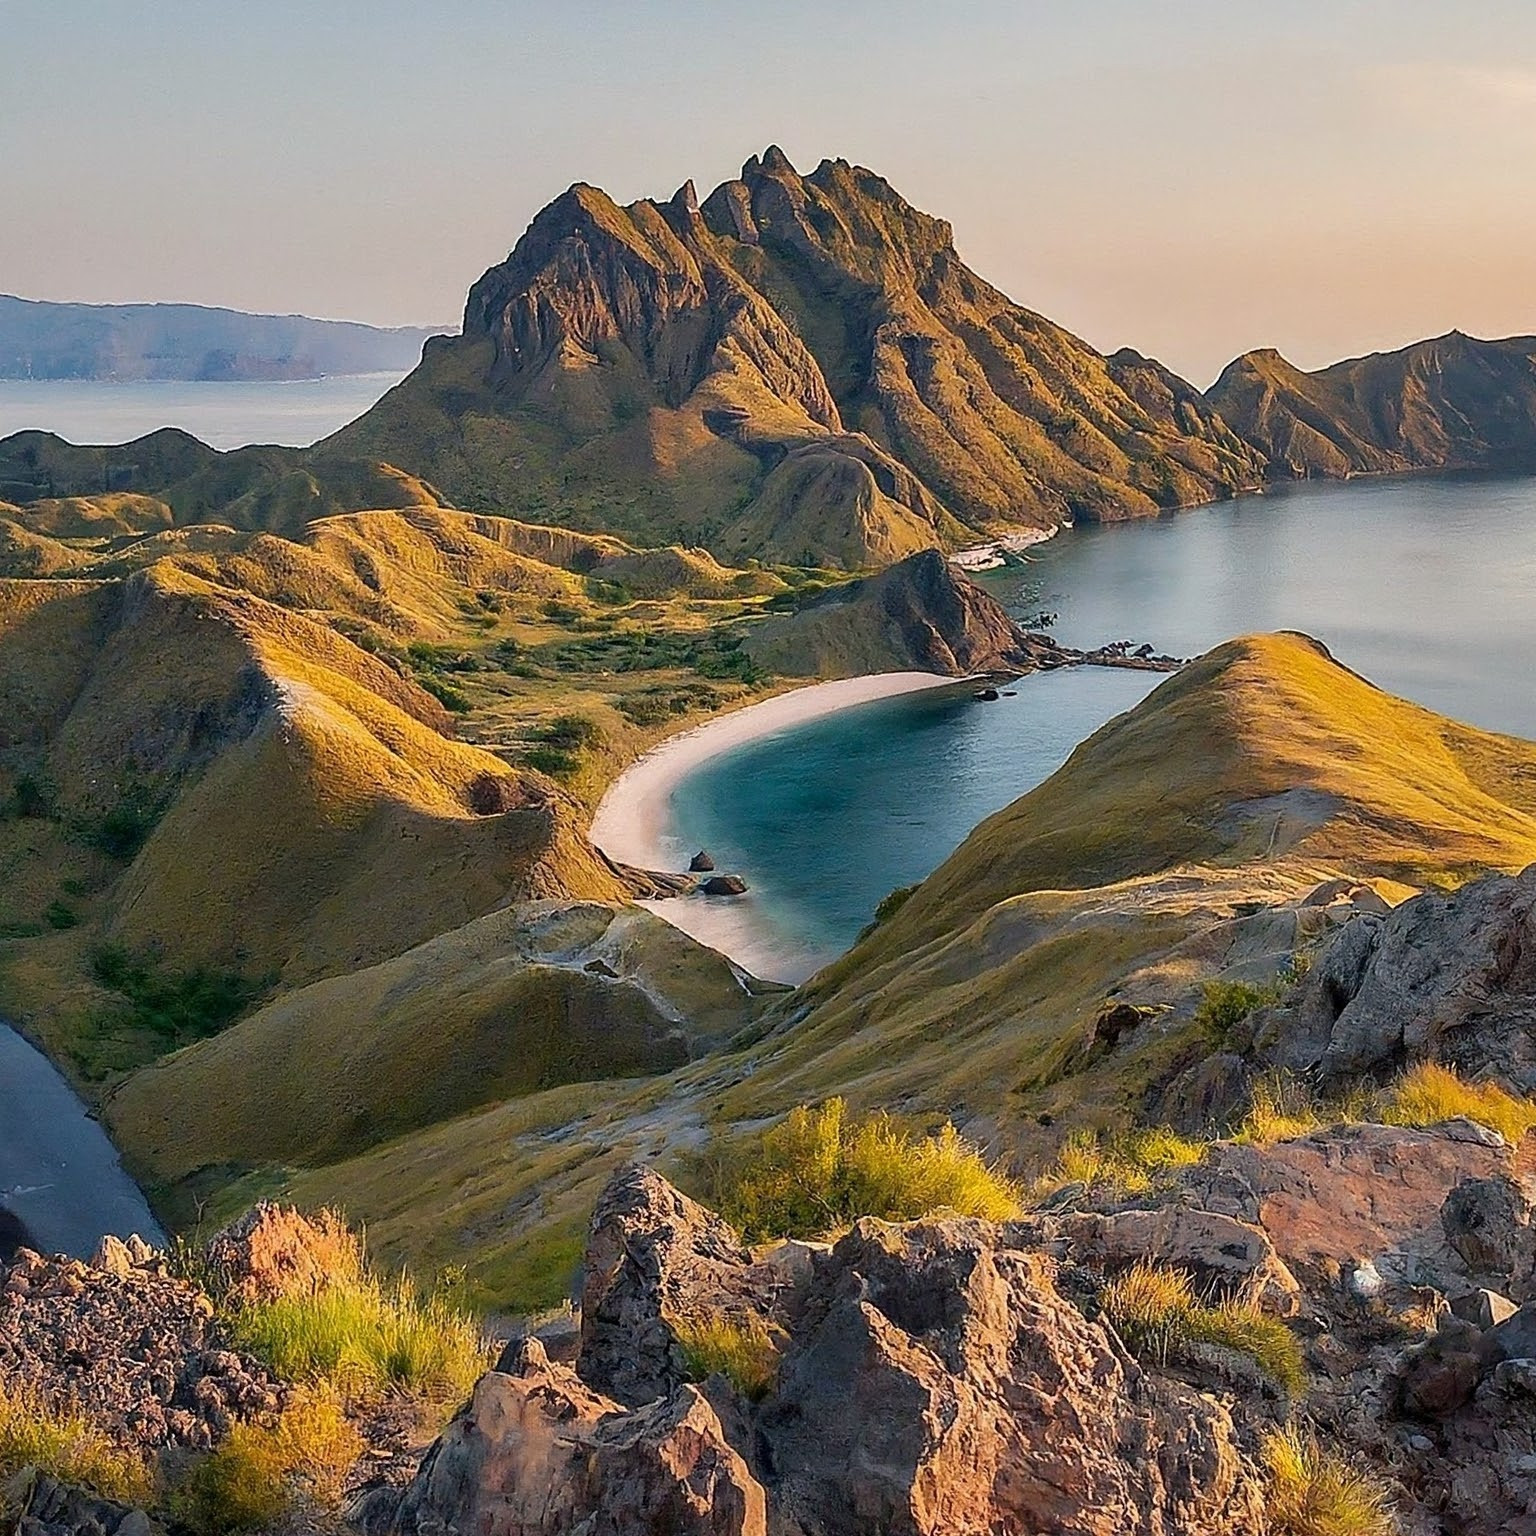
<point>700,863</point>
<point>724,885</point>
<point>987,695</point>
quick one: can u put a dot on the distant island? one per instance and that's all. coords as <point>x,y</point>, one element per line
<point>127,342</point>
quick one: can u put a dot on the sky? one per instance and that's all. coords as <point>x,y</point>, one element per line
<point>1190,178</point>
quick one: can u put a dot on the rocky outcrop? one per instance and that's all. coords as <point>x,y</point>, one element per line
<point>1452,402</point>
<point>129,1346</point>
<point>540,1454</point>
<point>34,1504</point>
<point>932,1378</point>
<point>1448,978</point>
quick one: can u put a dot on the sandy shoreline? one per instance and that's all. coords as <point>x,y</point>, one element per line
<point>631,819</point>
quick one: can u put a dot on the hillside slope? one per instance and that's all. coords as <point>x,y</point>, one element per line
<point>1449,403</point>
<point>1227,825</point>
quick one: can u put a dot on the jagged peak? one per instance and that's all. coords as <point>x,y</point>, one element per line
<point>773,162</point>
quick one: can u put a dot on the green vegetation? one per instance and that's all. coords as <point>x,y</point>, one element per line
<point>1225,1004</point>
<point>1312,1492</point>
<point>715,653</point>
<point>261,1473</point>
<point>1128,1164</point>
<point>1155,1310</point>
<point>362,1335</point>
<point>563,744</point>
<point>68,1447</point>
<point>161,1009</point>
<point>743,1353</point>
<point>1429,1095</point>
<point>60,915</point>
<point>124,829</point>
<point>1280,1110</point>
<point>821,1169</point>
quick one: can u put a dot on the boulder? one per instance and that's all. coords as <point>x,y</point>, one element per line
<point>1227,1259</point>
<point>1483,1309</point>
<point>700,863</point>
<point>1437,1377</point>
<point>274,1250</point>
<point>656,1261</point>
<point>540,1454</point>
<point>1488,1222</point>
<point>938,1382</point>
<point>36,1504</point>
<point>1512,1339</point>
<point>724,885</point>
<point>1441,977</point>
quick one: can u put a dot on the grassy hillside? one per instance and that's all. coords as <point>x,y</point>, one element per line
<point>1178,845</point>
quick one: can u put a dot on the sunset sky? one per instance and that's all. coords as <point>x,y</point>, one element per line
<point>1190,178</point>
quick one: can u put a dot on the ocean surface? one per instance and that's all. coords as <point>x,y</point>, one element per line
<point>1427,586</point>
<point>294,413</point>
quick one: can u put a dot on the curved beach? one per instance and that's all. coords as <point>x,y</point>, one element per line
<point>631,821</point>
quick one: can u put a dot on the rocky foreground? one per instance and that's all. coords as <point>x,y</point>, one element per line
<point>959,1376</point>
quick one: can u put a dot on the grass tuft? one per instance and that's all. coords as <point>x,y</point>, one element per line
<point>743,1353</point>
<point>362,1335</point>
<point>68,1447</point>
<point>1430,1095</point>
<point>1155,1310</point>
<point>1225,1004</point>
<point>1128,1164</point>
<point>1315,1493</point>
<point>821,1169</point>
<point>260,1474</point>
<point>1281,1110</point>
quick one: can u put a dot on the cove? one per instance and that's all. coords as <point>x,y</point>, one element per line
<point>1425,585</point>
<point>59,1174</point>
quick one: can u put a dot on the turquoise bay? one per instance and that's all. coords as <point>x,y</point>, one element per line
<point>1423,585</point>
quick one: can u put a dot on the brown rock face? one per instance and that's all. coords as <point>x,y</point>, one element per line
<point>541,1455</point>
<point>939,1383</point>
<point>1447,978</point>
<point>1452,402</point>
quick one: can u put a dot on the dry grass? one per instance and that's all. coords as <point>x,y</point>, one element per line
<point>744,1353</point>
<point>1281,1110</point>
<point>1315,1493</point>
<point>1155,1310</point>
<point>69,1447</point>
<point>821,1169</point>
<point>1430,1095</point>
<point>1128,1164</point>
<point>262,1473</point>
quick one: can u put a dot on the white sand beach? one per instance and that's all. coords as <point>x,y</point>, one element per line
<point>631,822</point>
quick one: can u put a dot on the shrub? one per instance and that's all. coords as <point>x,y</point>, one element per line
<point>260,1473</point>
<point>1128,1164</point>
<point>176,1006</point>
<point>455,700</point>
<point>571,733</point>
<point>59,915</point>
<point>126,827</point>
<point>68,1447</point>
<point>556,763</point>
<point>1155,1310</point>
<point>1431,1094</point>
<point>820,1169</point>
<point>1225,1004</point>
<point>741,1352</point>
<point>1315,1493</point>
<point>893,902</point>
<point>33,798</point>
<point>362,1335</point>
<point>1281,1109</point>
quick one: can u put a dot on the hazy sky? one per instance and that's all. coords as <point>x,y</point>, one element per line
<point>1189,177</point>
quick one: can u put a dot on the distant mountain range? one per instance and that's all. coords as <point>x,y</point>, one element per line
<point>40,340</point>
<point>798,370</point>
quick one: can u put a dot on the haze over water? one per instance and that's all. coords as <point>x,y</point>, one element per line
<point>1422,585</point>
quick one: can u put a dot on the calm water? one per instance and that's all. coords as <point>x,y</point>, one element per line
<point>295,413</point>
<point>1425,586</point>
<point>58,1172</point>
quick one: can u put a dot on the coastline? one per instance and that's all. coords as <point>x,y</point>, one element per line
<point>630,823</point>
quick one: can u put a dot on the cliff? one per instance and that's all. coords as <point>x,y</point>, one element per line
<point>1450,403</point>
